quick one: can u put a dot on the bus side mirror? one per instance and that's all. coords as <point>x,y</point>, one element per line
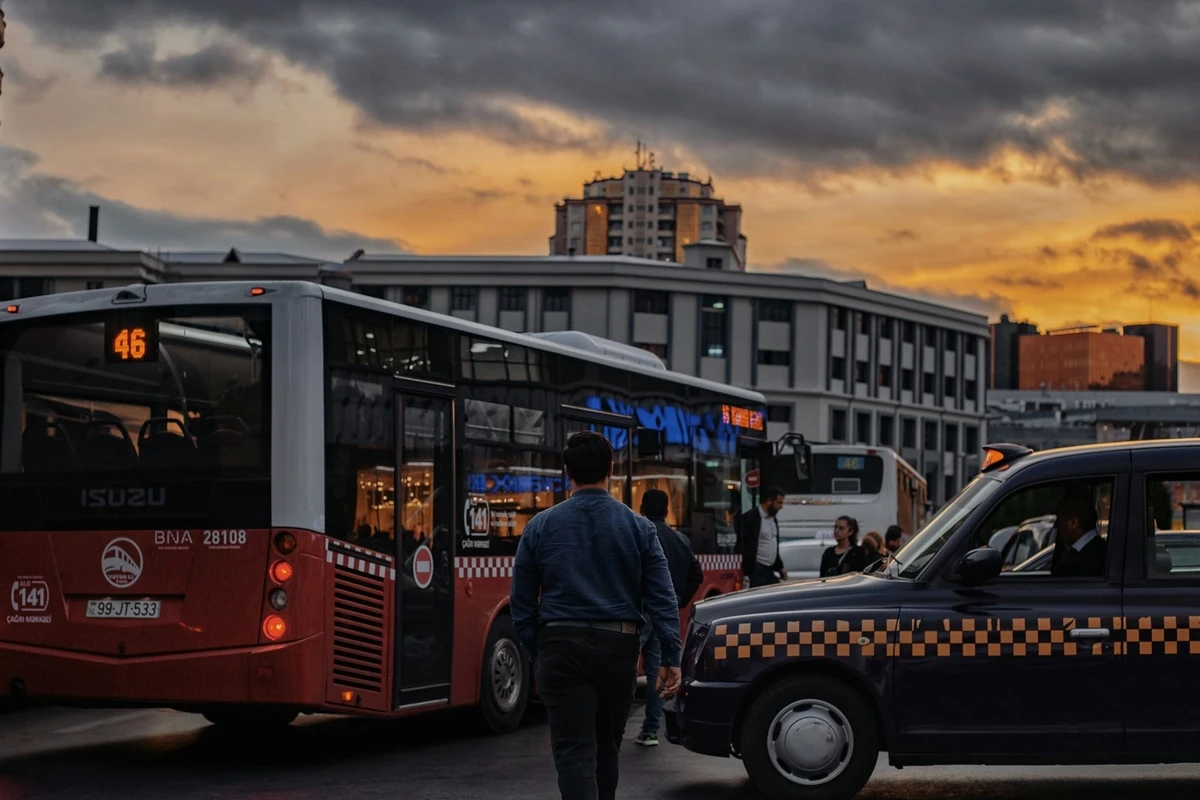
<point>649,443</point>
<point>802,458</point>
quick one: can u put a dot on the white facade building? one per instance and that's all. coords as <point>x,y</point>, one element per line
<point>837,361</point>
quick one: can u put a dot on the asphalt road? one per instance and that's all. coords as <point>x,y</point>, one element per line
<point>62,753</point>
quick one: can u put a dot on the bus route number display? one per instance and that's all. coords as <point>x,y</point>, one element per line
<point>130,340</point>
<point>742,418</point>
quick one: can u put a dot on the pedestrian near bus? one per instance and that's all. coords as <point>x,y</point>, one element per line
<point>761,563</point>
<point>686,576</point>
<point>585,571</point>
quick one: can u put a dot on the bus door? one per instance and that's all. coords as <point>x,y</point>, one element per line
<point>619,433</point>
<point>425,555</point>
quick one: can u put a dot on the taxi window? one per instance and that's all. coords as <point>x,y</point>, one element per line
<point>1062,529</point>
<point>1173,526</point>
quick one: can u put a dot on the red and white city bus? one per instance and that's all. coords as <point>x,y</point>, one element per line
<point>255,501</point>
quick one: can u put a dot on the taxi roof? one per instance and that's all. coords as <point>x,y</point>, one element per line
<point>1087,451</point>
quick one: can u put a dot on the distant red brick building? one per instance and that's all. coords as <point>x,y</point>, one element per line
<point>1079,360</point>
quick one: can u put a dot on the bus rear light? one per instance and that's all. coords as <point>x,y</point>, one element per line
<point>279,599</point>
<point>281,572</point>
<point>274,627</point>
<point>347,697</point>
<point>13,309</point>
<point>285,543</point>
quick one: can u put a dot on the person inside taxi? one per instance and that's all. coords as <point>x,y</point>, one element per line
<point>1081,551</point>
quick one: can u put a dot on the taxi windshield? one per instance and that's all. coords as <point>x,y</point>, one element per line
<point>913,557</point>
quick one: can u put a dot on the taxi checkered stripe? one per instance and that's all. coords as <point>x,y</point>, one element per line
<point>962,638</point>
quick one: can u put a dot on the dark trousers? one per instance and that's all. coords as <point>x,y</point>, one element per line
<point>763,576</point>
<point>584,678</point>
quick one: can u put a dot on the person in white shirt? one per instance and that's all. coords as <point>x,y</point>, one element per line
<point>761,562</point>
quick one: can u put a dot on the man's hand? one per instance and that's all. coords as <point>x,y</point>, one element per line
<point>669,679</point>
<point>783,573</point>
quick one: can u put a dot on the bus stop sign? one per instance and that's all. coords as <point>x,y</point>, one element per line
<point>422,567</point>
<point>752,479</point>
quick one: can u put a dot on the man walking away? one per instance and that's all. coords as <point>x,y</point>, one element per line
<point>686,576</point>
<point>760,541</point>
<point>597,566</point>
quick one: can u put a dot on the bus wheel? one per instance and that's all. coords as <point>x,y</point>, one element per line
<point>506,679</point>
<point>251,718</point>
<point>810,737</point>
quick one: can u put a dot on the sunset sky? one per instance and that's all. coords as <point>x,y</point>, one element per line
<point>1035,158</point>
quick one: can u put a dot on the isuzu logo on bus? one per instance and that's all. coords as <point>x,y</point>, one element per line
<point>123,498</point>
<point>122,562</point>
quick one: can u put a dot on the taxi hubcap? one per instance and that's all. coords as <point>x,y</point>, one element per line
<point>810,742</point>
<point>506,675</point>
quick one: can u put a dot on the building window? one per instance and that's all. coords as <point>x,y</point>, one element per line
<point>416,296</point>
<point>464,298</point>
<point>557,299</point>
<point>861,371</point>
<point>885,328</point>
<point>907,380</point>
<point>862,323</point>
<point>951,440</point>
<point>774,310</point>
<point>930,336</point>
<point>948,388</point>
<point>713,329</point>
<point>969,390</point>
<point>512,298</point>
<point>862,427</point>
<point>887,431</point>
<point>910,333</point>
<point>839,318</point>
<point>775,358</point>
<point>950,487</point>
<point>951,342</point>
<point>838,369</point>
<point>930,384</point>
<point>885,375</point>
<point>576,227</point>
<point>378,292</point>
<point>95,284</point>
<point>837,425</point>
<point>646,301</point>
<point>970,439</point>
<point>908,433</point>
<point>714,263</point>
<point>780,413</point>
<point>931,432</point>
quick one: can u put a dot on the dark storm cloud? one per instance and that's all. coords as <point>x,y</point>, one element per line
<point>223,62</point>
<point>1148,230</point>
<point>34,204</point>
<point>1084,88</point>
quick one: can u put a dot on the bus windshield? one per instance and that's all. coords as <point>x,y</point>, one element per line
<point>136,392</point>
<point>836,473</point>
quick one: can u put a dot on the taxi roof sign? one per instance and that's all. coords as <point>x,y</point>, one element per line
<point>997,456</point>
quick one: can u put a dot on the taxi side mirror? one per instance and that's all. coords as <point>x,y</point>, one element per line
<point>979,566</point>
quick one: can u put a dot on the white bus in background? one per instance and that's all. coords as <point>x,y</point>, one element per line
<point>874,485</point>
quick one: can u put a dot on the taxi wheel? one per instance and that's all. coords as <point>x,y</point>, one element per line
<point>810,738</point>
<point>506,679</point>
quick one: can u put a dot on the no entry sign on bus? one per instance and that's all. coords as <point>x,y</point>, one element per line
<point>422,567</point>
<point>752,479</point>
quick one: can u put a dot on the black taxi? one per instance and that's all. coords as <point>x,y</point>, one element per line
<point>1086,653</point>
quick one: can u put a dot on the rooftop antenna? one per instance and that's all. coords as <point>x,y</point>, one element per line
<point>638,154</point>
<point>651,160</point>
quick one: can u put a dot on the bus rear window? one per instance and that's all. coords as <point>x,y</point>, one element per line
<point>137,391</point>
<point>837,473</point>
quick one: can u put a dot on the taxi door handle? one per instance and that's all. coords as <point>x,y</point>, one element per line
<point>1089,633</point>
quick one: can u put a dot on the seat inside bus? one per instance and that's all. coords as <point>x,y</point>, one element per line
<point>106,446</point>
<point>164,443</point>
<point>46,447</point>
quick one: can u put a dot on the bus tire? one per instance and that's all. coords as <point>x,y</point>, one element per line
<point>258,719</point>
<point>506,680</point>
<point>810,737</point>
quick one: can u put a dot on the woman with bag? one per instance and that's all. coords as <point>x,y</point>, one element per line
<point>845,556</point>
